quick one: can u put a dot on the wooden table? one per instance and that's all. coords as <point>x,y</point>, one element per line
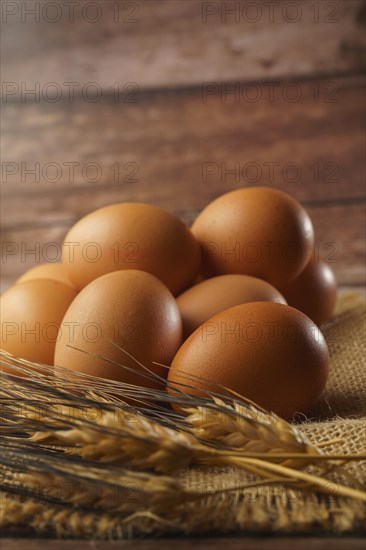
<point>217,543</point>
<point>175,103</point>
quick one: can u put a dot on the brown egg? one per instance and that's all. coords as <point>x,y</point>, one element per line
<point>126,310</point>
<point>268,352</point>
<point>54,271</point>
<point>132,236</point>
<point>31,313</point>
<point>201,302</point>
<point>255,231</point>
<point>313,292</point>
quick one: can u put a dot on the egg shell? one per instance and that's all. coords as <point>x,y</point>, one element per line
<point>53,271</point>
<point>267,352</point>
<point>314,291</point>
<point>132,236</point>
<point>256,231</point>
<point>31,314</point>
<point>125,310</point>
<point>207,298</point>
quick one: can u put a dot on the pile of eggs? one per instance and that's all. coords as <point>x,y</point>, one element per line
<point>234,302</point>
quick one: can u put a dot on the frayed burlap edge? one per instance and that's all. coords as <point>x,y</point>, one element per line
<point>302,514</point>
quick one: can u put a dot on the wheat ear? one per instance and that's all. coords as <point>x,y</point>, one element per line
<point>218,432</point>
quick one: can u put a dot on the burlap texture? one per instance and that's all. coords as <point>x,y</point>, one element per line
<point>340,414</point>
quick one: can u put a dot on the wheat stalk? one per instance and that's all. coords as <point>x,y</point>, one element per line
<point>252,430</point>
<point>73,522</point>
<point>145,444</point>
<point>217,431</point>
<point>136,440</point>
<point>57,479</point>
<point>39,473</point>
<point>132,438</point>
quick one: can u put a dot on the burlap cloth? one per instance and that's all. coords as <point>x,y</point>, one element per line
<point>340,414</point>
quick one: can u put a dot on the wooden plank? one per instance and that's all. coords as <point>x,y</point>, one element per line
<point>210,543</point>
<point>173,150</point>
<point>168,44</point>
<point>339,241</point>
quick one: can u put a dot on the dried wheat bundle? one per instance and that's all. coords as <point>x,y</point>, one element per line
<point>80,430</point>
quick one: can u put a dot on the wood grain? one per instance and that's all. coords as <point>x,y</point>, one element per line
<point>177,152</point>
<point>180,43</point>
<point>169,136</point>
<point>211,543</point>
